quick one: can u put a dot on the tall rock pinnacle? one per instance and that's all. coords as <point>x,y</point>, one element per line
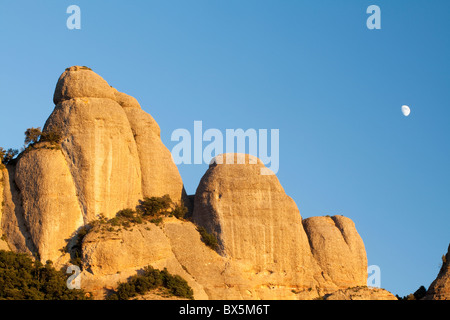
<point>110,155</point>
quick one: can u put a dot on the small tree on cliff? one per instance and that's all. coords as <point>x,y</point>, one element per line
<point>35,135</point>
<point>32,136</point>
<point>7,155</point>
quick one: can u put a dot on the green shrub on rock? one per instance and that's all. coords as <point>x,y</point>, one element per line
<point>151,279</point>
<point>209,239</point>
<point>21,278</point>
<point>155,206</point>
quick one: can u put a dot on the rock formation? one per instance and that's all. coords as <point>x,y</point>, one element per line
<point>360,293</point>
<point>109,155</point>
<point>3,243</point>
<point>81,82</point>
<point>176,245</point>
<point>159,173</point>
<point>98,143</point>
<point>440,287</point>
<point>256,223</point>
<point>50,205</point>
<point>331,235</point>
<point>13,225</point>
<point>260,227</point>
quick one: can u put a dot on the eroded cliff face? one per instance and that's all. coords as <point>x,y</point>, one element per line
<point>159,173</point>
<point>110,156</point>
<point>175,245</point>
<point>255,222</point>
<point>266,250</point>
<point>338,249</point>
<point>13,225</point>
<point>3,243</point>
<point>51,209</point>
<point>100,150</point>
<point>259,226</point>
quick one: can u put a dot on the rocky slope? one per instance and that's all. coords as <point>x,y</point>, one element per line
<point>110,155</point>
<point>360,293</point>
<point>440,287</point>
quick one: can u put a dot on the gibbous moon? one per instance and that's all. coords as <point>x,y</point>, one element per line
<point>406,111</point>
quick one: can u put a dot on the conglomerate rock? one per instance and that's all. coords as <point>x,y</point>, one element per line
<point>107,154</point>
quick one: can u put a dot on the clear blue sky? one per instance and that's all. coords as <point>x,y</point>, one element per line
<point>311,69</point>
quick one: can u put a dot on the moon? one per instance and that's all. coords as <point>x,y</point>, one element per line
<point>406,110</point>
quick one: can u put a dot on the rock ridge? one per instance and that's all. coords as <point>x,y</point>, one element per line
<point>110,156</point>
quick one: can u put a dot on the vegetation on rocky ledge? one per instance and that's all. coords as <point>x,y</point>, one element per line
<point>35,135</point>
<point>21,278</point>
<point>209,239</point>
<point>152,210</point>
<point>152,279</point>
